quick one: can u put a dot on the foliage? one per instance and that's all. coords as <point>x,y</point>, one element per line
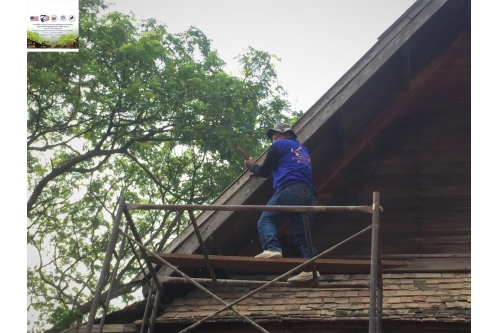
<point>67,39</point>
<point>34,36</point>
<point>137,112</point>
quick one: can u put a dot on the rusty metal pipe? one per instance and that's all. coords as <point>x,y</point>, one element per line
<point>380,287</point>
<point>202,245</point>
<point>144,323</point>
<point>307,229</point>
<point>253,208</point>
<point>154,312</point>
<point>374,273</point>
<point>250,283</point>
<point>143,253</point>
<point>105,265</point>
<point>112,283</point>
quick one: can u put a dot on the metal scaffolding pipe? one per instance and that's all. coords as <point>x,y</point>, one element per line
<point>144,254</point>
<point>253,208</point>
<point>307,229</point>
<point>112,283</point>
<point>375,285</point>
<point>154,311</point>
<point>374,270</point>
<point>239,314</point>
<point>202,246</point>
<point>304,264</point>
<point>105,266</point>
<point>144,323</point>
<point>250,283</point>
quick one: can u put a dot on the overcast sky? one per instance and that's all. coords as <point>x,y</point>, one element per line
<point>316,40</point>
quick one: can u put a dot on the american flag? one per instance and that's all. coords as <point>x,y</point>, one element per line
<point>33,18</point>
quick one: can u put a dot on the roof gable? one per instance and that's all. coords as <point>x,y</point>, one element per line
<point>385,90</point>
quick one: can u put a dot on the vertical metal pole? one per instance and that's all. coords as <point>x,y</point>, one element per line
<point>112,283</point>
<point>305,218</point>
<point>372,326</point>
<point>146,310</point>
<point>105,267</point>
<point>143,253</point>
<point>203,248</point>
<point>154,312</point>
<point>380,286</point>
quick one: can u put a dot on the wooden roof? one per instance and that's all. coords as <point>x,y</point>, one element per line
<point>408,297</point>
<point>397,122</point>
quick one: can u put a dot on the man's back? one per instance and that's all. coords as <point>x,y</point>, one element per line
<point>294,164</point>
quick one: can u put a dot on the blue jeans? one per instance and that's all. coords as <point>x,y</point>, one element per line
<point>298,194</point>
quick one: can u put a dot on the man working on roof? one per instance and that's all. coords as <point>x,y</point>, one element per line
<point>290,164</point>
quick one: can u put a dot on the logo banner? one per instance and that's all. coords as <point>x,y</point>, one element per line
<point>53,25</point>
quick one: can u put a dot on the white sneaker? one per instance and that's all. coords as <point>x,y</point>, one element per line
<point>269,254</point>
<point>303,277</point>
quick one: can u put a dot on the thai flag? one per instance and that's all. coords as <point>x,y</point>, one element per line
<point>33,18</point>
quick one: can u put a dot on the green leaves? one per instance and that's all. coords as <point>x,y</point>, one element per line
<point>137,112</point>
<point>34,36</point>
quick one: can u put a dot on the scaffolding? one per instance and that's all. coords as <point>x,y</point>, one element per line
<point>124,208</point>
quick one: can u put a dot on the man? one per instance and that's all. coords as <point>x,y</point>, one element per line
<point>290,164</point>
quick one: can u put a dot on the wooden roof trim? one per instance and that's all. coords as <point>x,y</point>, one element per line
<point>409,13</point>
<point>365,69</point>
<point>367,59</point>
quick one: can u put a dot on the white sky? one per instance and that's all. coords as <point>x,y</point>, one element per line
<point>317,41</point>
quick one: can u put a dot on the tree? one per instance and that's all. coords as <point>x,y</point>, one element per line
<point>34,36</point>
<point>137,112</point>
<point>67,39</point>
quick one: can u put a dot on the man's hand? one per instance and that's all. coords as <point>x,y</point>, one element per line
<point>249,162</point>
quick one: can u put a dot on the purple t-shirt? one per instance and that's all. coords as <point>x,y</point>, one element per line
<point>294,164</point>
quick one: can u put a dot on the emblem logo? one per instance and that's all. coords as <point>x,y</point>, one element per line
<point>71,18</point>
<point>44,18</point>
<point>62,17</point>
<point>53,18</point>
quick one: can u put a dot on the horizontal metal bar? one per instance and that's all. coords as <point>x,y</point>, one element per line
<point>253,208</point>
<point>224,282</point>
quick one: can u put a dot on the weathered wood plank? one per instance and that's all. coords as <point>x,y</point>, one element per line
<point>411,256</point>
<point>439,265</point>
<point>411,178</point>
<point>426,157</point>
<point>269,264</point>
<point>321,326</point>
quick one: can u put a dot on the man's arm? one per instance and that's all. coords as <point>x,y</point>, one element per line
<point>270,163</point>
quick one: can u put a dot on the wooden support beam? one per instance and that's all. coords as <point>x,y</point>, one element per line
<point>271,265</point>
